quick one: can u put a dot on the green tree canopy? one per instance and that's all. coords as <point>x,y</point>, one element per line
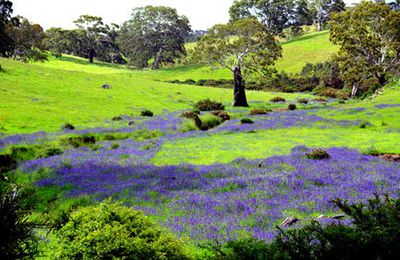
<point>242,44</point>
<point>155,33</point>
<point>275,15</point>
<point>5,19</point>
<point>369,39</point>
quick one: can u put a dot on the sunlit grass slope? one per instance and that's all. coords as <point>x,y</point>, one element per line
<point>43,96</point>
<point>310,48</point>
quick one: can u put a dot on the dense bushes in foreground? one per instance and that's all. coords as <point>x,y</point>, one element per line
<point>111,230</point>
<point>374,234</point>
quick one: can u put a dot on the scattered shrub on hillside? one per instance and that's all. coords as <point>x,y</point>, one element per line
<point>292,107</point>
<point>318,154</point>
<point>188,125</point>
<point>67,126</point>
<point>207,121</point>
<point>342,101</point>
<point>372,151</point>
<point>189,82</point>
<point>147,113</point>
<point>114,145</point>
<point>246,121</point>
<point>117,118</point>
<point>331,92</point>
<point>364,124</point>
<point>320,99</point>
<point>30,152</point>
<point>78,141</point>
<point>17,240</point>
<point>208,105</point>
<point>221,114</point>
<point>277,99</point>
<point>113,231</point>
<point>190,114</point>
<point>7,163</point>
<point>303,101</point>
<point>258,111</point>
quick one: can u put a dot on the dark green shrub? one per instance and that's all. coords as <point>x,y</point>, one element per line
<point>207,121</point>
<point>189,82</point>
<point>200,82</point>
<point>372,151</point>
<point>67,126</point>
<point>318,154</point>
<point>277,99</point>
<point>117,118</point>
<point>292,107</point>
<point>146,113</point>
<point>258,111</point>
<point>364,124</point>
<point>246,121</point>
<point>7,163</point>
<point>113,231</point>
<point>208,105</point>
<point>331,92</point>
<point>17,239</point>
<point>221,114</point>
<point>78,141</point>
<point>30,152</point>
<point>114,145</point>
<point>190,114</point>
<point>303,101</point>
<point>374,234</point>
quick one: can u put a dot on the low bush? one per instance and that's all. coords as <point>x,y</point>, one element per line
<point>112,231</point>
<point>246,121</point>
<point>331,92</point>
<point>303,101</point>
<point>258,111</point>
<point>78,140</point>
<point>318,154</point>
<point>7,163</point>
<point>67,126</point>
<point>117,118</point>
<point>208,105</point>
<point>221,114</point>
<point>23,153</point>
<point>147,113</point>
<point>114,145</point>
<point>277,99</point>
<point>292,107</point>
<point>190,114</point>
<point>17,240</point>
<point>364,124</point>
<point>208,121</point>
<point>372,151</point>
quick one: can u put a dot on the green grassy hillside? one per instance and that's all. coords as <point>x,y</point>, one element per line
<point>310,48</point>
<point>43,96</point>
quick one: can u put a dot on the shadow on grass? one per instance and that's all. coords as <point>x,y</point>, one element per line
<point>306,37</point>
<point>81,61</point>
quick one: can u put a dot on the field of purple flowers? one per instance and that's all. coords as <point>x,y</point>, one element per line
<point>214,202</point>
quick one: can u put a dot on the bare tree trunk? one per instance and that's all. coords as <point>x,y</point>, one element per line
<point>239,95</point>
<point>381,79</point>
<point>354,90</point>
<point>157,60</point>
<point>91,55</point>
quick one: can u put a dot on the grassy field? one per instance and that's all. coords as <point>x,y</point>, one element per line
<point>43,96</point>
<point>233,180</point>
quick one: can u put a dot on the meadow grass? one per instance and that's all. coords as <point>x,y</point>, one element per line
<point>43,96</point>
<point>310,48</point>
<point>226,147</point>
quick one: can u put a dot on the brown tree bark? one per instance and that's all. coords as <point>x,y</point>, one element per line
<point>239,94</point>
<point>91,55</point>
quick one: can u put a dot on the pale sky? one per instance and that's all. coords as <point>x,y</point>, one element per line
<point>202,14</point>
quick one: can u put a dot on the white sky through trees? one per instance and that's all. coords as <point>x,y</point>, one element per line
<point>202,14</point>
